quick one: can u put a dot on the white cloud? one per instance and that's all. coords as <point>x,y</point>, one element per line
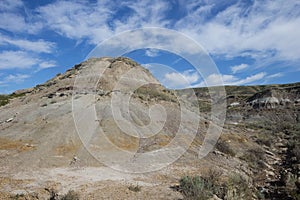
<point>16,59</point>
<point>13,79</point>
<point>257,29</point>
<point>39,46</point>
<point>224,79</point>
<point>47,64</point>
<point>238,68</point>
<point>12,19</point>
<point>17,78</point>
<point>12,22</point>
<point>98,21</point>
<point>152,52</point>
<point>277,75</point>
<point>77,20</point>
<point>180,80</point>
<point>250,79</point>
<point>150,13</point>
<point>23,60</point>
<point>249,29</point>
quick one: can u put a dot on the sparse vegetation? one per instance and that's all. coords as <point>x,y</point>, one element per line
<point>225,147</point>
<point>204,106</point>
<point>255,158</point>
<point>4,99</point>
<point>196,188</point>
<point>125,60</point>
<point>71,195</point>
<point>238,188</point>
<point>200,188</point>
<point>150,92</point>
<point>264,139</point>
<point>17,196</point>
<point>135,188</point>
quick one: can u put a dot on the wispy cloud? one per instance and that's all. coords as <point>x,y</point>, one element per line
<point>15,79</point>
<point>46,64</point>
<point>77,20</point>
<point>23,60</point>
<point>151,52</point>
<point>277,75</point>
<point>181,80</point>
<point>39,46</point>
<point>238,68</point>
<point>16,59</point>
<point>98,21</point>
<point>12,22</point>
<point>216,79</point>
<point>12,19</point>
<point>253,28</point>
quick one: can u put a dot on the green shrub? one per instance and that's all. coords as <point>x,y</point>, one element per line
<point>195,188</point>
<point>199,188</point>
<point>4,99</point>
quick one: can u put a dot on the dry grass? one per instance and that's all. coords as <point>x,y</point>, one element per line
<point>20,146</point>
<point>66,149</point>
<point>124,141</point>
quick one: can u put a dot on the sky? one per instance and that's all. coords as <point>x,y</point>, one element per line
<point>251,42</point>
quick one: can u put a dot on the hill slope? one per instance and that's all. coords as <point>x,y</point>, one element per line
<point>40,146</point>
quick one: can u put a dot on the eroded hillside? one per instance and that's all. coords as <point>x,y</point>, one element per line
<point>256,157</point>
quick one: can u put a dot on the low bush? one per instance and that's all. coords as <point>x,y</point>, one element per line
<point>238,188</point>
<point>224,147</point>
<point>199,188</point>
<point>4,99</point>
<point>195,188</point>
<point>255,158</point>
<point>135,188</point>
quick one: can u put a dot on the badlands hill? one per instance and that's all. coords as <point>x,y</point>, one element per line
<point>98,138</point>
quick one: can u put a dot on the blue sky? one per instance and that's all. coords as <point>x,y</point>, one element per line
<point>251,42</point>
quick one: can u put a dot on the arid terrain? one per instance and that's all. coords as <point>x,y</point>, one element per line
<point>42,156</point>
